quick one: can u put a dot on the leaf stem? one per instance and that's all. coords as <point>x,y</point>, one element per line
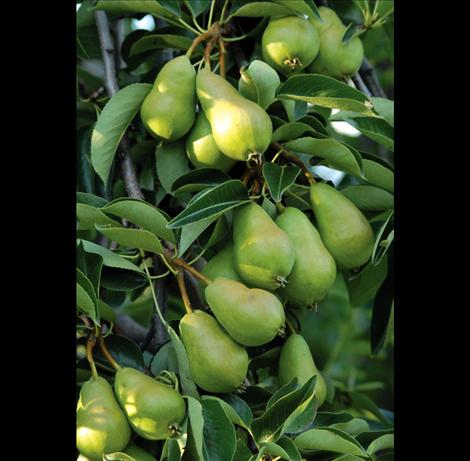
<point>189,27</point>
<point>290,326</point>
<point>183,291</point>
<point>182,263</point>
<point>222,14</point>
<point>211,12</point>
<point>291,157</point>
<point>107,354</point>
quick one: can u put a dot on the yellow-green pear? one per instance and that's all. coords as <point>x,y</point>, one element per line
<point>202,149</point>
<point>329,18</point>
<point>289,44</point>
<point>138,453</point>
<point>259,83</point>
<point>335,58</point>
<point>296,361</point>
<point>239,126</point>
<point>222,265</point>
<point>314,269</point>
<point>168,111</point>
<point>102,426</point>
<point>263,253</point>
<point>251,316</point>
<point>343,228</point>
<point>154,409</point>
<point>216,362</point>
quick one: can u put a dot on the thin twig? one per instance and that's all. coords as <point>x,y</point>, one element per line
<point>184,292</point>
<point>369,76</point>
<point>360,85</point>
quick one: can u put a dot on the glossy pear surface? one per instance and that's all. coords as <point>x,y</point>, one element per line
<point>263,252</point>
<point>259,83</point>
<point>296,361</point>
<point>344,229</point>
<point>314,269</point>
<point>139,454</point>
<point>239,126</point>
<point>102,426</point>
<point>329,18</point>
<point>251,316</point>
<point>289,44</point>
<point>152,408</point>
<point>202,149</point>
<point>335,58</point>
<point>216,362</point>
<point>168,111</point>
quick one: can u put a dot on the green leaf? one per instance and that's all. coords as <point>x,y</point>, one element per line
<point>300,7</point>
<point>269,426</point>
<point>91,200</point>
<point>172,162</point>
<point>135,6</point>
<point>334,154</point>
<point>219,433</point>
<point>132,238</point>
<point>121,280</point>
<point>162,41</point>
<point>291,130</point>
<point>326,92</point>
<point>240,407</point>
<point>197,180</point>
<point>231,413</point>
<point>85,303</point>
<point>353,427</point>
<point>289,448</point>
<point>110,259</point>
<point>88,216</point>
<point>112,124</point>
<point>125,351</point>
<point>369,198</point>
<point>315,123</point>
<point>363,402</point>
<point>378,175</point>
<point>328,439</point>
<point>106,311</point>
<point>196,422</point>
<point>258,9</point>
<point>171,451</point>
<point>242,452</point>
<point>212,202</point>
<point>197,7</point>
<point>270,450</point>
<point>385,108</point>
<point>382,245</point>
<point>294,109</point>
<point>279,178</point>
<point>190,232</point>
<point>385,442</point>
<point>117,456</point>
<point>375,128</point>
<point>142,214</point>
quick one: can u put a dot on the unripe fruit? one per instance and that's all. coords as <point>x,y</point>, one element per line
<point>289,44</point>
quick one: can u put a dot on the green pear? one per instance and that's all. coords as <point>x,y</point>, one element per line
<point>153,409</point>
<point>102,426</point>
<point>168,111</point>
<point>329,18</point>
<point>259,83</point>
<point>263,252</point>
<point>216,362</point>
<point>239,126</point>
<point>202,149</point>
<point>335,58</point>
<point>343,228</point>
<point>251,316</point>
<point>138,453</point>
<point>296,361</point>
<point>289,44</point>
<point>314,269</point>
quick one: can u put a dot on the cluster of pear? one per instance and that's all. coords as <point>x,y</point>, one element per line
<point>266,263</point>
<point>292,43</point>
<point>153,409</point>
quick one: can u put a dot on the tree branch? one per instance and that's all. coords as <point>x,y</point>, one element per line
<point>360,85</point>
<point>367,72</point>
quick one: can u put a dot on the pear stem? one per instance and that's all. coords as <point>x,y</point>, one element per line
<point>222,14</point>
<point>107,354</point>
<point>290,326</point>
<point>291,157</point>
<point>184,292</point>
<point>198,40</point>
<point>179,262</point>
<point>280,206</point>
<point>222,57</point>
<point>89,354</point>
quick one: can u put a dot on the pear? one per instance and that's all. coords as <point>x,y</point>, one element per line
<point>139,454</point>
<point>154,409</point>
<point>329,18</point>
<point>251,316</point>
<point>296,361</point>
<point>314,269</point>
<point>168,111</point>
<point>289,44</point>
<point>102,426</point>
<point>263,253</point>
<point>335,58</point>
<point>259,83</point>
<point>202,149</point>
<point>344,229</point>
<point>216,362</point>
<point>239,126</point>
